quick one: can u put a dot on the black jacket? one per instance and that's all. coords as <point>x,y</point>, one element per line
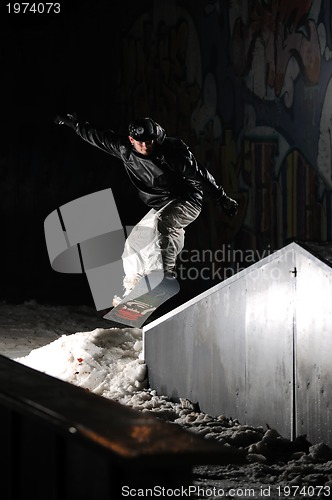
<point>170,173</point>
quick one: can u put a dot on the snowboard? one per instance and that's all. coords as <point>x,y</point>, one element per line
<point>149,293</point>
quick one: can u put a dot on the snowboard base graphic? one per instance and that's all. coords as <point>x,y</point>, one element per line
<point>150,293</point>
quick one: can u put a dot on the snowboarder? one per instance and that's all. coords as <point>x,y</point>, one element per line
<point>170,181</point>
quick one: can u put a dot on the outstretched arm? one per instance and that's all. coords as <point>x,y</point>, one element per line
<point>107,140</point>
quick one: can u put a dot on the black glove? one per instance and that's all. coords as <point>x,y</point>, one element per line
<point>70,119</point>
<point>229,205</point>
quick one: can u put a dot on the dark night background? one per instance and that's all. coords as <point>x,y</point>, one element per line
<point>54,64</point>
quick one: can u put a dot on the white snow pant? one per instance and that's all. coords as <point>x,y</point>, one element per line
<point>155,242</point>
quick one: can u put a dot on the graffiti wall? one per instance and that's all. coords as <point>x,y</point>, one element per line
<point>247,84</point>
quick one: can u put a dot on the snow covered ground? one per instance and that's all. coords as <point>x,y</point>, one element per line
<point>73,344</point>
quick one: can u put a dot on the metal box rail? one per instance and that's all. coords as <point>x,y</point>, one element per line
<point>59,442</point>
<point>257,347</point>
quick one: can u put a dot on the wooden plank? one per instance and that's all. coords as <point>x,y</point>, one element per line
<point>125,434</point>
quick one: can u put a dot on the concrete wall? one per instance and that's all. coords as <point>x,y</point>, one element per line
<point>255,347</point>
<point>313,346</point>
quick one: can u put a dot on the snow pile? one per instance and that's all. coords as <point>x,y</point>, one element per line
<point>105,361</point>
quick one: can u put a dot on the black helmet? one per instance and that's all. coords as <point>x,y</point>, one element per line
<point>145,129</point>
